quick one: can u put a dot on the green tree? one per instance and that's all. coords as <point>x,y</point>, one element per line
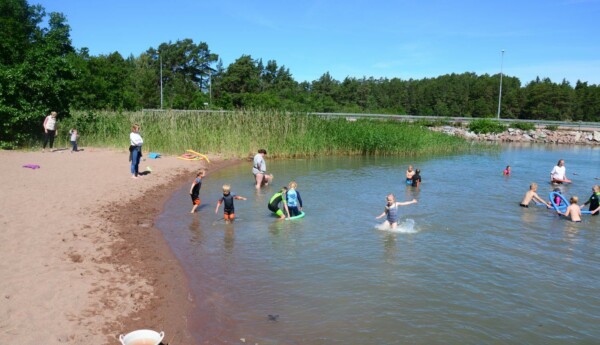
<point>36,70</point>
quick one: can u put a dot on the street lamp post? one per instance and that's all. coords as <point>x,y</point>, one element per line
<point>500,93</point>
<point>210,88</point>
<point>161,81</point>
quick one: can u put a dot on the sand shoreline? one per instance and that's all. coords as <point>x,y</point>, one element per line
<point>81,261</point>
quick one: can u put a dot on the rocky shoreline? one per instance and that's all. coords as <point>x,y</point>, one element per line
<point>539,135</point>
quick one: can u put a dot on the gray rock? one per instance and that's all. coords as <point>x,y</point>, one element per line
<point>596,136</point>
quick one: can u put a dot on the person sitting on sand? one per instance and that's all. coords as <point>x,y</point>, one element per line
<point>391,210</point>
<point>594,200</point>
<point>573,210</point>
<point>559,173</point>
<point>532,195</point>
<point>409,174</point>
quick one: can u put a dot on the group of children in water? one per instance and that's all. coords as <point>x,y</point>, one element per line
<point>291,200</point>
<point>288,196</point>
<point>558,176</point>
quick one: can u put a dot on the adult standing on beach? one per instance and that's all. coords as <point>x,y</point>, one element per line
<point>50,129</point>
<point>559,173</point>
<point>135,150</point>
<point>259,169</point>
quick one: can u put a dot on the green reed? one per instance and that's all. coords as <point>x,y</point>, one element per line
<point>242,133</point>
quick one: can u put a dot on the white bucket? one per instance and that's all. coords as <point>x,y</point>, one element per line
<point>142,337</point>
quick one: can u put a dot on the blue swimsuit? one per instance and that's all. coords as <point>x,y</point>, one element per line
<point>392,214</point>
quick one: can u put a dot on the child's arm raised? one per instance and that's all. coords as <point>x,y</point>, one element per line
<point>413,201</point>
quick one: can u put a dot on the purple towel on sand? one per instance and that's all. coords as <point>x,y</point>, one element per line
<point>31,166</point>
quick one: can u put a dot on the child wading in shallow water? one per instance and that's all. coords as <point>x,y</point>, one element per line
<point>391,210</point>
<point>227,200</point>
<point>532,195</point>
<point>294,201</point>
<point>195,190</point>
<point>573,210</point>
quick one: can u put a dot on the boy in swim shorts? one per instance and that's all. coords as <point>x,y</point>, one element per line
<point>195,190</point>
<point>227,200</point>
<point>274,203</point>
<point>532,195</point>
<point>391,209</point>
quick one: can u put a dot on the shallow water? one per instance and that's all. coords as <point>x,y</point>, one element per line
<point>465,265</point>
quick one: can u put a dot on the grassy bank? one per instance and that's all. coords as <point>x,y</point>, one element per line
<point>241,133</point>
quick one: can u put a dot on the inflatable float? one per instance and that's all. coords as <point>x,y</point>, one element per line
<point>301,215</point>
<point>192,155</point>
<point>562,204</point>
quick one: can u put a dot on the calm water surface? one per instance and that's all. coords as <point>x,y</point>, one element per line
<point>474,268</point>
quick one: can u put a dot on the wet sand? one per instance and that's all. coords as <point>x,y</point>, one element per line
<point>81,261</point>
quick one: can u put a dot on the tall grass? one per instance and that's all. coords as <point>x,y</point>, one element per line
<point>242,133</point>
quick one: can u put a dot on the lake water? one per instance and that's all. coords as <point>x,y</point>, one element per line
<point>467,265</point>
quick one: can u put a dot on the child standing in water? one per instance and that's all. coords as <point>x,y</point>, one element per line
<point>228,208</point>
<point>594,200</point>
<point>195,190</point>
<point>416,179</point>
<point>573,210</point>
<point>532,195</point>
<point>391,210</point>
<point>293,199</point>
<point>506,171</point>
<point>409,174</point>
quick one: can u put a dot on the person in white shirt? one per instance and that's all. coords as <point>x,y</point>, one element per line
<point>135,150</point>
<point>259,169</point>
<point>559,173</point>
<point>50,130</point>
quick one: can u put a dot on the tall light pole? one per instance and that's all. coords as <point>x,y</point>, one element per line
<point>210,88</point>
<point>161,88</point>
<point>500,93</point>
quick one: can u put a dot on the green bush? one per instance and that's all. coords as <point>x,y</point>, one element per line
<point>551,127</point>
<point>525,126</point>
<point>484,126</point>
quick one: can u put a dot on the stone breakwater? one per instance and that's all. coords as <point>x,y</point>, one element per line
<point>560,136</point>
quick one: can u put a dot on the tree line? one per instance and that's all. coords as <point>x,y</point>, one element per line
<point>41,71</point>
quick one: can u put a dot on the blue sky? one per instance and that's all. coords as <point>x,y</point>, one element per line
<point>405,39</point>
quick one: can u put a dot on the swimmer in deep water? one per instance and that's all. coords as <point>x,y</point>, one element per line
<point>391,209</point>
<point>274,203</point>
<point>573,210</point>
<point>532,195</point>
<point>506,171</point>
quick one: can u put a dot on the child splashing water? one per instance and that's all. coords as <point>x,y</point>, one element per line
<point>391,210</point>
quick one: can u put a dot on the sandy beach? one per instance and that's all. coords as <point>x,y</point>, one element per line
<point>81,261</point>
